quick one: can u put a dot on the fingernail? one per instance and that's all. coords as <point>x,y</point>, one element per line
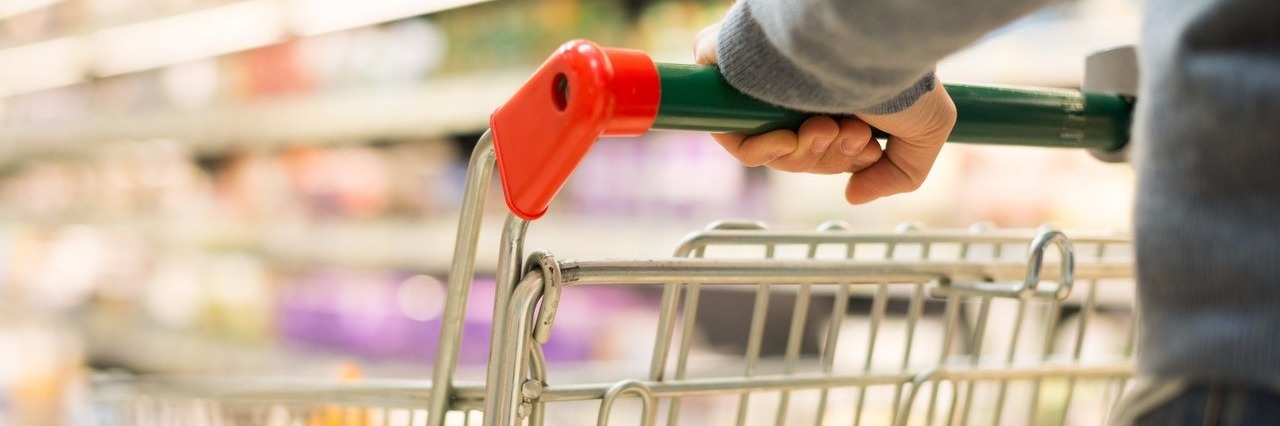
<point>848,147</point>
<point>820,145</point>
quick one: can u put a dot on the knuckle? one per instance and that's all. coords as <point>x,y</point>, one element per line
<point>943,117</point>
<point>820,123</point>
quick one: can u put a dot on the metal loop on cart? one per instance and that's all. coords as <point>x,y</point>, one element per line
<point>550,293</point>
<point>1035,261</point>
<point>624,387</point>
<point>1028,287</point>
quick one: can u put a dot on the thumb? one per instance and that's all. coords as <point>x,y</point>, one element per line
<point>704,45</point>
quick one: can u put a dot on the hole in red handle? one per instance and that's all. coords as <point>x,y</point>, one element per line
<point>560,91</point>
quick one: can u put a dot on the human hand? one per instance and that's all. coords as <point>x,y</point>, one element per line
<point>829,145</point>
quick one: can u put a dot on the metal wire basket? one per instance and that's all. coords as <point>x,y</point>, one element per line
<point>956,327</point>
<point>977,326</point>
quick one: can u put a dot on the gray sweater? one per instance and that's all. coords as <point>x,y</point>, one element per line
<point>1206,144</point>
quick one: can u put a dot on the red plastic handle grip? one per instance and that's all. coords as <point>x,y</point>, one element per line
<point>581,93</point>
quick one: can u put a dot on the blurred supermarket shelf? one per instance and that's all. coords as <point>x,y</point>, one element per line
<point>115,341</point>
<point>422,246</point>
<point>143,347</point>
<point>118,40</point>
<point>439,107</point>
<point>427,246</point>
<point>1039,51</point>
<point>1044,49</point>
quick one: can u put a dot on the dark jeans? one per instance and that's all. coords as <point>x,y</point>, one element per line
<point>1216,405</point>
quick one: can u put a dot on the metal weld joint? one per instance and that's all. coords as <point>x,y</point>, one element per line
<point>530,392</point>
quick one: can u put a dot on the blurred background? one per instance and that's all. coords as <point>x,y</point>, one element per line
<point>271,186</point>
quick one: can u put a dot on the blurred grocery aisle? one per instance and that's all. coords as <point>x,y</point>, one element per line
<point>271,186</point>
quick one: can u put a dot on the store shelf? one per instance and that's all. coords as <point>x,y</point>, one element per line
<point>442,106</point>
<point>89,45</point>
<point>428,246</point>
<point>144,347</point>
<point>424,246</point>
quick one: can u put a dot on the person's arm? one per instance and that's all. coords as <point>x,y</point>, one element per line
<point>872,60</point>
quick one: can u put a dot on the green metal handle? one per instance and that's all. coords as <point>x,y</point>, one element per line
<point>697,97</point>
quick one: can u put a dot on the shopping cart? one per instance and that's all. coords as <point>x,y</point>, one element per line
<point>977,326</point>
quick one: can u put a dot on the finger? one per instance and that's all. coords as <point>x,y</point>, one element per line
<point>854,135</point>
<point>870,154</point>
<point>813,139</point>
<point>731,142</point>
<point>842,156</point>
<point>902,168</point>
<point>704,45</point>
<point>760,149</point>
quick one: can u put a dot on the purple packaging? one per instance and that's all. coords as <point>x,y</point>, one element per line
<point>391,315</point>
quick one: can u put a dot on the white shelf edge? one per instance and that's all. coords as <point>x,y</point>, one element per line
<point>438,107</point>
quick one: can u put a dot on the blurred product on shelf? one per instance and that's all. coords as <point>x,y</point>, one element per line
<point>651,177</point>
<point>391,314</point>
<point>42,370</point>
<point>1011,187</point>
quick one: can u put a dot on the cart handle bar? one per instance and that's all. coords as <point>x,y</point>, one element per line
<point>584,92</point>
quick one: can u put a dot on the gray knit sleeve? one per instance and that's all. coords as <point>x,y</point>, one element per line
<point>850,56</point>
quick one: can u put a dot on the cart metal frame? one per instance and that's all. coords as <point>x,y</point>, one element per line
<point>517,382</point>
<point>585,91</point>
<point>518,388</point>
